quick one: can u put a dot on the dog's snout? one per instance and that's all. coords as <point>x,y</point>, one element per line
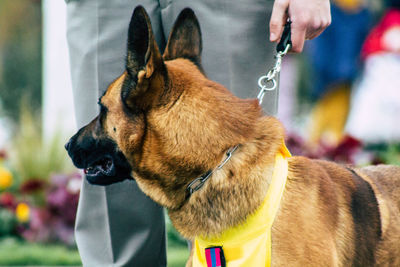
<point>68,145</point>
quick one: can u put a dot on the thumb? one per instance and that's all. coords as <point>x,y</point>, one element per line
<point>278,19</point>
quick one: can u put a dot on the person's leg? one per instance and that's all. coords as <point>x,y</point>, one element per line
<point>116,225</point>
<point>236,47</point>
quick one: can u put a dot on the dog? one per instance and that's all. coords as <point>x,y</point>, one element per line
<point>165,124</point>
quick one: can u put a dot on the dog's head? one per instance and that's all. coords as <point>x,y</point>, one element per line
<point>162,121</point>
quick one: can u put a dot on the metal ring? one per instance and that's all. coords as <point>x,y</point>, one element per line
<point>264,80</point>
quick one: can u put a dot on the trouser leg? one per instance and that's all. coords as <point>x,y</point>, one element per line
<point>236,47</point>
<point>116,225</point>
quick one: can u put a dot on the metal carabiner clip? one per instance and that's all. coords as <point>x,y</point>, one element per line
<point>282,49</point>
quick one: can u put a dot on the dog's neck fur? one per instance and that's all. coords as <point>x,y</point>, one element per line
<point>235,191</point>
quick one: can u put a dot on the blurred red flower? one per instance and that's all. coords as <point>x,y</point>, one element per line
<point>32,186</point>
<point>7,200</point>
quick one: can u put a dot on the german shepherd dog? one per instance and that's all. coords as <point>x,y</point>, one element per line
<point>164,123</point>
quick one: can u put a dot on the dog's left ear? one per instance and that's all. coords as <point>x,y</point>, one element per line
<point>145,68</point>
<point>185,38</point>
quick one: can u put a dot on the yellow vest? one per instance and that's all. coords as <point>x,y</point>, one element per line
<point>249,244</point>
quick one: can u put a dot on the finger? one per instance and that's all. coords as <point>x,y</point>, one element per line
<point>312,34</point>
<point>319,23</point>
<point>318,28</point>
<point>278,19</point>
<point>298,37</point>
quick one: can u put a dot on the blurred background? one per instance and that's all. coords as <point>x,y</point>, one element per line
<point>339,100</point>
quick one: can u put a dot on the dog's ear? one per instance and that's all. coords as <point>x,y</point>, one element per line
<point>144,62</point>
<point>185,38</point>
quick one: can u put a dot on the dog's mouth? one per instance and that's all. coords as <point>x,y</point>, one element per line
<point>107,170</point>
<point>101,161</point>
<point>101,167</point>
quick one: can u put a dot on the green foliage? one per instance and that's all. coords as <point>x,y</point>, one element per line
<point>174,238</point>
<point>177,256</point>
<point>386,153</point>
<point>14,252</point>
<point>392,155</point>
<point>177,251</point>
<point>20,55</point>
<point>33,157</point>
<point>7,222</point>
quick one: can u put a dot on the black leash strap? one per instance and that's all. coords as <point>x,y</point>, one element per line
<point>286,38</point>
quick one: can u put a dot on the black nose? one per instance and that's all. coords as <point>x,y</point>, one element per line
<point>68,145</point>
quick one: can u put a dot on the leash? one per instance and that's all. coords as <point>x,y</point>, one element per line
<point>270,81</point>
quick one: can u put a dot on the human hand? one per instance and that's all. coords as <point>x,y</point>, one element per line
<point>309,19</point>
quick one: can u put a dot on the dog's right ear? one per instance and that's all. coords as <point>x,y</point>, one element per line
<point>144,63</point>
<point>185,38</point>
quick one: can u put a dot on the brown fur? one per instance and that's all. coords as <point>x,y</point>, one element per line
<point>175,125</point>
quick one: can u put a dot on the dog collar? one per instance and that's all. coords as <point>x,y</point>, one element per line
<point>248,244</point>
<point>198,183</point>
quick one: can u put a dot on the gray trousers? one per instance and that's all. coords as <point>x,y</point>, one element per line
<point>117,225</point>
